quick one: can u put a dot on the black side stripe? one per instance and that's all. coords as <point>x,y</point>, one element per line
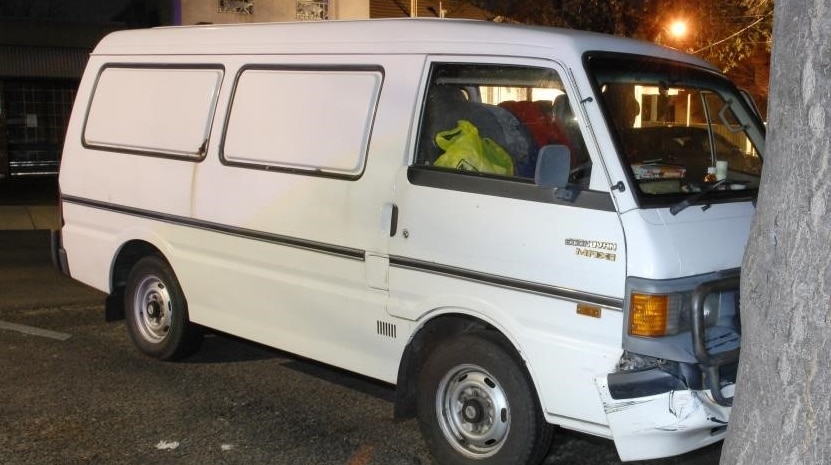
<point>356,254</point>
<point>509,283</point>
<point>289,241</point>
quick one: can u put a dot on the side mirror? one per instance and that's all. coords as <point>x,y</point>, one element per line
<point>553,166</point>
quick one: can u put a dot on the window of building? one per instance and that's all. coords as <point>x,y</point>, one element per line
<point>243,7</point>
<point>35,115</point>
<point>309,10</point>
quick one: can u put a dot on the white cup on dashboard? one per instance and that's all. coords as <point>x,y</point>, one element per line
<point>721,170</point>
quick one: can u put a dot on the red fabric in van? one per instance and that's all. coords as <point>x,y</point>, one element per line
<point>543,128</point>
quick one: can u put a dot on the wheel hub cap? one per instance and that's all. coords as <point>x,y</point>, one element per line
<point>153,309</point>
<point>473,411</point>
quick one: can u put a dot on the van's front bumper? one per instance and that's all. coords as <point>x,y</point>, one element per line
<point>665,419</point>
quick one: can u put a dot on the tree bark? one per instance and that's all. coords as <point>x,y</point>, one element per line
<point>783,396</point>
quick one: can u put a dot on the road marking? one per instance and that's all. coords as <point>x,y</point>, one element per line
<point>362,456</point>
<point>32,331</point>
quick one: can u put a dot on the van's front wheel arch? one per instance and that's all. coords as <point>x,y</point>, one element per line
<point>157,313</point>
<point>477,405</point>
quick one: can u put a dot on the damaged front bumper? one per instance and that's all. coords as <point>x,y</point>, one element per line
<point>665,419</point>
<point>673,394</point>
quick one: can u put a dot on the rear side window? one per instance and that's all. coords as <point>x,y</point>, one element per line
<point>165,111</point>
<point>314,121</point>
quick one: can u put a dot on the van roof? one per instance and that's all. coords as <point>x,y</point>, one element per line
<point>404,35</point>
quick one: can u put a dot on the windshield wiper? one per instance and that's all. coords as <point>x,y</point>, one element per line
<point>693,199</point>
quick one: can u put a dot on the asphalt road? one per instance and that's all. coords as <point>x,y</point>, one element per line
<point>73,390</point>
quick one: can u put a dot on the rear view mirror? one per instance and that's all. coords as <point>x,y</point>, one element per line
<point>553,165</point>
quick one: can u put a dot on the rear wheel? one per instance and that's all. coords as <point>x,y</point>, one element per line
<point>476,405</point>
<point>157,313</point>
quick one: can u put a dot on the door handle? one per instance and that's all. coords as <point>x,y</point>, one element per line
<point>393,220</point>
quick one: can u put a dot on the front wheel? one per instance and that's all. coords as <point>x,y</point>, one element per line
<point>476,405</point>
<point>157,312</point>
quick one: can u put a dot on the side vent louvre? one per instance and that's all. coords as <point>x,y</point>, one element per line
<point>385,329</point>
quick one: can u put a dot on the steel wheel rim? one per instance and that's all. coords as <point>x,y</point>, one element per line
<point>153,309</point>
<point>472,410</point>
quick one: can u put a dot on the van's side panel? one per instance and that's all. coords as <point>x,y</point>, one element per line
<point>301,258</point>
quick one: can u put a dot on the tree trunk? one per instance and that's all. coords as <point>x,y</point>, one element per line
<point>783,398</point>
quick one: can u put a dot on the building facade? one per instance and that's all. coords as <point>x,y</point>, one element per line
<point>41,64</point>
<point>260,11</point>
<point>257,11</point>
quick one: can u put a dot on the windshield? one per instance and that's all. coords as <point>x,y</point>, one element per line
<point>679,129</point>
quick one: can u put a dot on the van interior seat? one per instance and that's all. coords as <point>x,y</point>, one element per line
<point>519,141</point>
<point>447,104</point>
<point>544,128</point>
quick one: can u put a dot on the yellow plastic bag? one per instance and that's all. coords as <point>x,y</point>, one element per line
<point>465,150</point>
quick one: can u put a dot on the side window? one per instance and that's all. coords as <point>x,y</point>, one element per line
<point>274,111</point>
<point>124,112</point>
<point>495,118</point>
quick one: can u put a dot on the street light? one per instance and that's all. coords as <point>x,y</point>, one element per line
<point>678,29</point>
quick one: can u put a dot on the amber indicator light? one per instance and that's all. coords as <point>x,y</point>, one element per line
<point>588,310</point>
<point>648,315</point>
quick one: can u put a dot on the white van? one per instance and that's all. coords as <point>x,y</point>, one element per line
<point>517,227</point>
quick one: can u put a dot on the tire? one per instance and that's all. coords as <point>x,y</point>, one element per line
<point>157,312</point>
<point>477,405</point>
